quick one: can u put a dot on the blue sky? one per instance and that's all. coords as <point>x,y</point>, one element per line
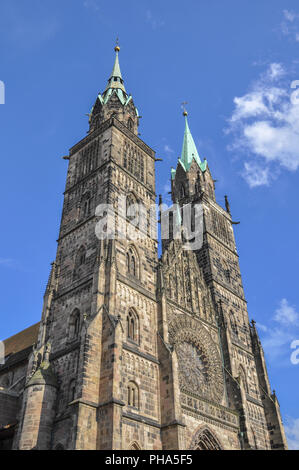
<point>233,62</point>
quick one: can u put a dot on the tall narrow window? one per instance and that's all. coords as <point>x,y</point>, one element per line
<point>133,395</point>
<point>233,323</point>
<point>80,260</point>
<point>81,257</point>
<point>72,390</point>
<point>132,262</point>
<point>132,326</point>
<point>74,327</point>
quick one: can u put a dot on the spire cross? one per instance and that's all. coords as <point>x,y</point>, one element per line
<point>183,106</point>
<point>117,48</point>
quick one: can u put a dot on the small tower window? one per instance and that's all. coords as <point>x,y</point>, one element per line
<point>133,395</point>
<point>182,191</point>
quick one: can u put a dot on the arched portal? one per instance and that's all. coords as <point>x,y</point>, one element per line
<point>135,446</point>
<point>205,439</point>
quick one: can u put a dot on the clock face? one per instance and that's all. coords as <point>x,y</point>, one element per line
<point>192,368</point>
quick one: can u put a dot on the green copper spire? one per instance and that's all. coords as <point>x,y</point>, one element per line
<point>115,86</point>
<point>189,151</point>
<point>115,80</point>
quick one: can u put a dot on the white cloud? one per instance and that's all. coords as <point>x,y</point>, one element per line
<point>289,15</point>
<point>292,433</point>
<point>13,264</point>
<point>20,27</point>
<point>153,21</point>
<point>289,26</point>
<point>286,314</point>
<point>265,125</point>
<point>256,175</point>
<point>92,4</point>
<point>275,71</point>
<point>7,262</point>
<point>277,338</point>
<point>168,149</point>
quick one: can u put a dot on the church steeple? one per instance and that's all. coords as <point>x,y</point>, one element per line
<point>114,101</point>
<point>189,151</point>
<point>115,80</point>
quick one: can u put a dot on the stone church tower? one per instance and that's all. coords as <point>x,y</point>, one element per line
<point>136,352</point>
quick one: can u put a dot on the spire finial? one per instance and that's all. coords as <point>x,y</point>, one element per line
<point>184,108</point>
<point>117,48</point>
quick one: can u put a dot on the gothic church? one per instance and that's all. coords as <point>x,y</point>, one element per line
<point>135,351</point>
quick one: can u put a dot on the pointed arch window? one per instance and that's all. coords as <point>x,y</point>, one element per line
<point>86,205</point>
<point>132,262</point>
<point>182,191</point>
<point>132,326</point>
<point>74,328</point>
<point>81,258</point>
<point>80,261</point>
<point>130,124</point>
<point>133,395</point>
<point>132,210</point>
<point>72,390</point>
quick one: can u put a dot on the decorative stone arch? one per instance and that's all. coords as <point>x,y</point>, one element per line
<point>134,446</point>
<point>132,325</point>
<point>133,261</point>
<point>205,439</point>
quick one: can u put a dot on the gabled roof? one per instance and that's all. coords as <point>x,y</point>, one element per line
<point>22,340</point>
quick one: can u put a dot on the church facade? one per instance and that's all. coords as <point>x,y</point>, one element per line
<point>134,351</point>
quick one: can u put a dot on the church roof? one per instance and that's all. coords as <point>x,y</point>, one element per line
<point>22,340</point>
